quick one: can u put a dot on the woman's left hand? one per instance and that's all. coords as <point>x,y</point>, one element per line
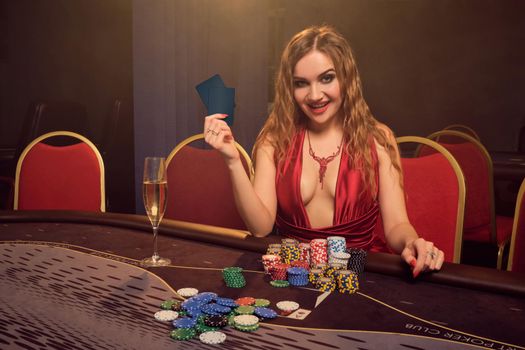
<point>422,256</point>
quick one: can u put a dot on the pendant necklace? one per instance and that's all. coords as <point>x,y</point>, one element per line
<point>323,161</point>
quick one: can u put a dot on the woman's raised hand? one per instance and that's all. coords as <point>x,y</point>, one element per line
<point>219,135</point>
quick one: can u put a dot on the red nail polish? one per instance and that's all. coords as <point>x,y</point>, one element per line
<point>415,274</point>
<point>413,263</point>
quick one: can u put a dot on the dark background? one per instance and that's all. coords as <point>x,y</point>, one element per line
<point>424,65</point>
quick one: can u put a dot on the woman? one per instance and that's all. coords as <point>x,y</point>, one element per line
<point>323,164</point>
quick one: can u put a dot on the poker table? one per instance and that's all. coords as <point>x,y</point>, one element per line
<point>73,280</point>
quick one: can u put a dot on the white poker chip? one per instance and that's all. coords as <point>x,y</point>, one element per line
<point>187,292</point>
<point>287,305</point>
<point>341,255</point>
<point>166,315</point>
<point>246,320</point>
<point>212,337</point>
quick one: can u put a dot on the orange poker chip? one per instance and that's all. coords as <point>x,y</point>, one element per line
<point>245,301</point>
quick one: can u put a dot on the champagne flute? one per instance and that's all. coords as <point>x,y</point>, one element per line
<point>154,192</point>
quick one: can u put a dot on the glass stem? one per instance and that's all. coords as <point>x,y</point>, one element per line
<point>156,255</point>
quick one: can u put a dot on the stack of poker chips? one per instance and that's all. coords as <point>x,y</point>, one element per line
<point>331,270</point>
<point>304,252</point>
<point>233,277</point>
<point>318,254</point>
<point>314,275</point>
<point>300,263</point>
<point>326,284</point>
<point>287,307</point>
<point>269,261</point>
<point>246,323</point>
<point>357,260</point>
<point>278,272</point>
<point>274,249</point>
<point>347,282</point>
<point>341,258</point>
<point>290,252</point>
<point>335,244</point>
<point>297,276</point>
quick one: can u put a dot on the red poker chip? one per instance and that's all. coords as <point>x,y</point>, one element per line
<point>245,301</point>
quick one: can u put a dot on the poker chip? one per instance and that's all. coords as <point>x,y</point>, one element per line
<point>288,306</point>
<point>280,283</point>
<point>226,302</point>
<point>269,261</point>
<point>245,301</point>
<point>265,313</point>
<point>261,302</point>
<point>185,322</point>
<point>246,320</point>
<point>357,260</point>
<point>247,328</point>
<point>212,337</point>
<point>205,297</point>
<point>245,310</point>
<point>168,304</point>
<point>201,328</point>
<point>166,315</point>
<point>233,277</point>
<point>209,310</point>
<point>347,282</point>
<point>326,284</point>
<point>187,292</point>
<point>216,321</point>
<point>314,275</point>
<point>297,276</point>
<point>183,334</point>
<point>318,253</point>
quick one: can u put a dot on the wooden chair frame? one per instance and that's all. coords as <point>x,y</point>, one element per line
<point>197,137</point>
<point>517,211</point>
<point>458,239</point>
<point>459,127</point>
<point>493,229</point>
<point>69,134</point>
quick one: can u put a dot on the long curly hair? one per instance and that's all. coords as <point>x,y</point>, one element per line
<point>359,126</point>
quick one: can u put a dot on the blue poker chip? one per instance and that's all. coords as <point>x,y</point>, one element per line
<point>209,310</point>
<point>190,303</point>
<point>205,296</point>
<point>264,312</point>
<point>297,271</point>
<point>194,312</point>
<point>185,322</point>
<point>226,302</point>
<point>220,308</point>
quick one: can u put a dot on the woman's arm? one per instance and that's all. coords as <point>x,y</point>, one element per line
<point>399,233</point>
<point>257,202</point>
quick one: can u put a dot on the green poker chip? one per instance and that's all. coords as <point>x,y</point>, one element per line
<point>245,310</point>
<point>247,328</point>
<point>262,302</point>
<point>201,328</point>
<point>280,283</point>
<point>169,304</point>
<point>183,333</point>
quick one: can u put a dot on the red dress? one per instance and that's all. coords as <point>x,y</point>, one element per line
<point>355,214</point>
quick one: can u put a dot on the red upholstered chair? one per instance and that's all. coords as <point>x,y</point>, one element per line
<point>517,242</point>
<point>464,129</point>
<point>435,194</point>
<point>65,177</point>
<point>481,223</point>
<point>199,185</point>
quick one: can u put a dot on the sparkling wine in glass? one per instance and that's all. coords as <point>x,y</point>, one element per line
<point>154,192</point>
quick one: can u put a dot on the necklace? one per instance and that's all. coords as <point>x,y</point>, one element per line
<point>323,161</point>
